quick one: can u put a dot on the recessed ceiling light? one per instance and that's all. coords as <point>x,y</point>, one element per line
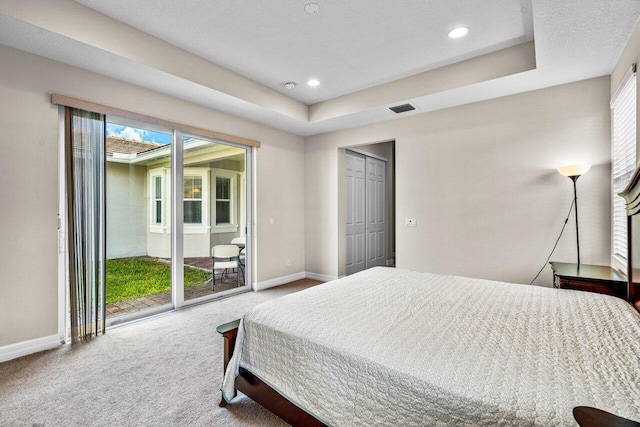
<point>311,8</point>
<point>289,85</point>
<point>313,83</point>
<point>458,32</point>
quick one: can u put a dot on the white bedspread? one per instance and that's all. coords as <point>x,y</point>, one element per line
<point>394,347</point>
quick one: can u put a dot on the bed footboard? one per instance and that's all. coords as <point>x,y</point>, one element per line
<point>229,332</point>
<point>257,390</point>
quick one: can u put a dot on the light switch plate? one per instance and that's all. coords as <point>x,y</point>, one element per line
<point>410,222</point>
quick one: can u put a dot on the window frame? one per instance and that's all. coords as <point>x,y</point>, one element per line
<point>155,227</point>
<point>203,226</point>
<point>157,180</point>
<point>619,260</point>
<point>232,176</point>
<point>228,200</point>
<point>165,175</point>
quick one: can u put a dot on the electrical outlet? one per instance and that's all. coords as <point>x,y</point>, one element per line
<point>410,222</point>
<point>288,263</point>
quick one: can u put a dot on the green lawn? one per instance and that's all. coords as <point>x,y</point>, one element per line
<point>131,278</point>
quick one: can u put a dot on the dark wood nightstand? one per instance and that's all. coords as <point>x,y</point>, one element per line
<point>591,278</point>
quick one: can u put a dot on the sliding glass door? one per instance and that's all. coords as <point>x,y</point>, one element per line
<point>138,232</point>
<point>159,246</point>
<point>214,204</point>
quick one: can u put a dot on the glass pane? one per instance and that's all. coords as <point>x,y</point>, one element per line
<point>193,187</point>
<point>158,218</point>
<point>223,187</point>
<point>188,187</point>
<point>138,219</point>
<point>223,215</point>
<point>214,206</point>
<point>192,212</point>
<point>158,187</point>
<point>197,188</point>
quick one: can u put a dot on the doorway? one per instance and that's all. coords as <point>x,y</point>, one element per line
<point>154,262</point>
<point>366,209</point>
<point>169,198</point>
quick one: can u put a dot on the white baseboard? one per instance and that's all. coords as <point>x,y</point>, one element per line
<point>321,277</point>
<point>24,348</point>
<point>279,281</point>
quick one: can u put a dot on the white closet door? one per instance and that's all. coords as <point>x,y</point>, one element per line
<point>375,214</point>
<point>355,215</point>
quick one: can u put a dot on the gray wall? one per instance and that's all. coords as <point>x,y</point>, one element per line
<point>481,181</point>
<point>127,201</point>
<point>28,207</point>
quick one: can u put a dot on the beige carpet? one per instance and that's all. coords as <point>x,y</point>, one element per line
<point>158,372</point>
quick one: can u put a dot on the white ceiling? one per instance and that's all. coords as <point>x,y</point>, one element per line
<point>368,55</point>
<point>348,45</point>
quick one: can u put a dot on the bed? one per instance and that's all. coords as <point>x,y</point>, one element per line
<point>395,347</point>
<point>442,350</point>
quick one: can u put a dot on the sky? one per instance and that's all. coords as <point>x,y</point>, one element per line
<point>137,134</point>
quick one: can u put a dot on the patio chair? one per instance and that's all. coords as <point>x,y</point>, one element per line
<point>225,258</point>
<point>241,260</point>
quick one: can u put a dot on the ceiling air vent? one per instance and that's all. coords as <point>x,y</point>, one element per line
<point>402,108</point>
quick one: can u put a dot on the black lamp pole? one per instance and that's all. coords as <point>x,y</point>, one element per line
<point>573,172</point>
<point>575,202</point>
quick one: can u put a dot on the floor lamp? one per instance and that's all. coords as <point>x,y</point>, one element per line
<point>573,172</point>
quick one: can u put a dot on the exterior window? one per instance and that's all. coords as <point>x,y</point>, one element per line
<point>223,200</point>
<point>225,205</point>
<point>623,160</point>
<point>210,200</point>
<point>193,199</point>
<point>157,200</point>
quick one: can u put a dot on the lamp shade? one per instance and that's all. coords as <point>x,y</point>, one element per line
<point>574,170</point>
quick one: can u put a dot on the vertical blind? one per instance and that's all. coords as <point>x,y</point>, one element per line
<point>623,123</point>
<point>86,221</point>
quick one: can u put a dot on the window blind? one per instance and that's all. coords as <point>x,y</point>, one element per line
<point>623,123</point>
<point>84,151</point>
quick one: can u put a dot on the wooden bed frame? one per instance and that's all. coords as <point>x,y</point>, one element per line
<point>266,396</point>
<point>257,390</point>
<point>631,195</point>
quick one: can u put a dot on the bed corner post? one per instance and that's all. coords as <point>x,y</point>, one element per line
<point>229,332</point>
